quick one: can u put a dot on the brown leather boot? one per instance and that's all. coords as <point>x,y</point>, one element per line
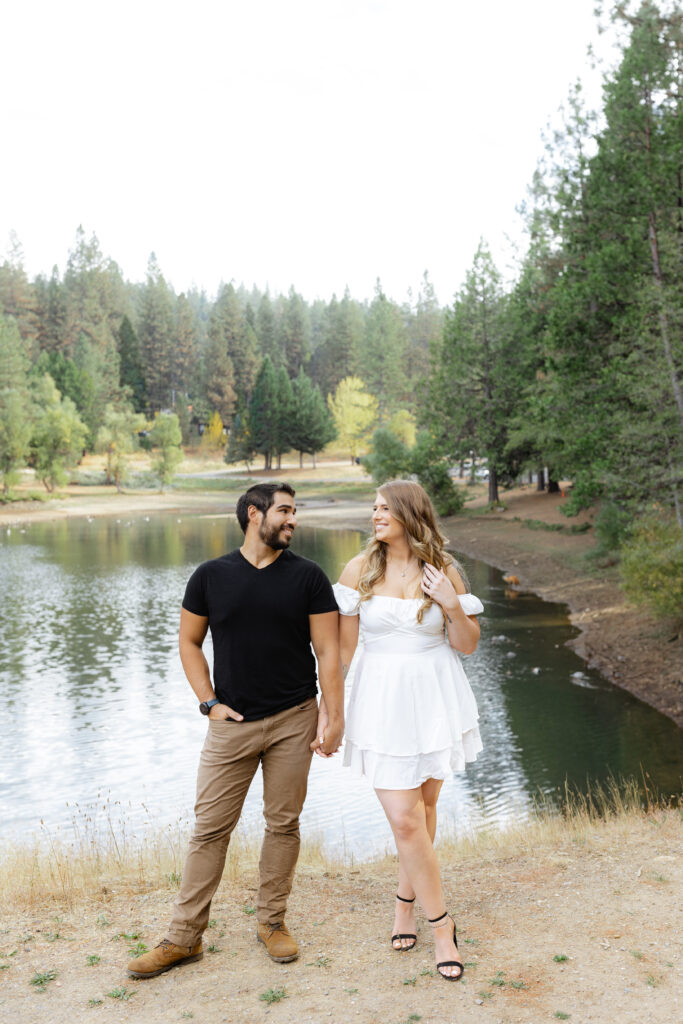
<point>280,945</point>
<point>162,958</point>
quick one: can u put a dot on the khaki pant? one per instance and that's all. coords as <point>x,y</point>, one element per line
<point>230,758</point>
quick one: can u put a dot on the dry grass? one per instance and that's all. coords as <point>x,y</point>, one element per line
<point>114,857</point>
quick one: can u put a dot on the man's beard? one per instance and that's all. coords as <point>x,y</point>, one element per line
<point>270,535</point>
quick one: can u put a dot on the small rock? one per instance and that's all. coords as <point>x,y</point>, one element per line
<point>479,1002</point>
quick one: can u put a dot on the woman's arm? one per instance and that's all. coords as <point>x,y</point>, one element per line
<point>443,588</point>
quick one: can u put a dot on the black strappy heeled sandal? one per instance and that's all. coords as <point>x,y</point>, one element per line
<point>434,922</point>
<point>402,935</point>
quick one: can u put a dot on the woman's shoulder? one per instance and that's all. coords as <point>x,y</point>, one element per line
<point>351,573</point>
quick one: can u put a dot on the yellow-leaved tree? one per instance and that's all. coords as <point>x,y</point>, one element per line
<point>213,438</point>
<point>355,413</point>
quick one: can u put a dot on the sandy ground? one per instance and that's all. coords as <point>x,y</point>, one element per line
<point>584,925</point>
<point>630,647</point>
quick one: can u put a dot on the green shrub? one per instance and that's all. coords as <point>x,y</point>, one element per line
<point>389,457</point>
<point>432,472</point>
<point>652,564</point>
<point>448,499</point>
<point>611,526</point>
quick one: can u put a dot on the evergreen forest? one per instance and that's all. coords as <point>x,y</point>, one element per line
<point>569,371</point>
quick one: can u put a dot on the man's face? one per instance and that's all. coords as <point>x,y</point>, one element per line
<point>279,522</point>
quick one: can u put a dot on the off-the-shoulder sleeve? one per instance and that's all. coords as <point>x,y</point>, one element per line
<point>347,599</point>
<point>470,604</point>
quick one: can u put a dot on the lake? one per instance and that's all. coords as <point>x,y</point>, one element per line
<point>98,721</point>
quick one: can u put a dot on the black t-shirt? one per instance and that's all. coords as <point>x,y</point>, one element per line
<point>262,657</point>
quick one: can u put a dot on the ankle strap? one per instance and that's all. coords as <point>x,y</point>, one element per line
<point>404,900</point>
<point>435,920</point>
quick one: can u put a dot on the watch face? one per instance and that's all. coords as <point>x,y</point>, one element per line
<point>204,708</point>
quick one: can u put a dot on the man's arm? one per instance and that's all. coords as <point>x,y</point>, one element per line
<point>192,632</point>
<point>325,639</point>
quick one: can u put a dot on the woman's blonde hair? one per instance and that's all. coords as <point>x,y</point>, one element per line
<point>410,504</point>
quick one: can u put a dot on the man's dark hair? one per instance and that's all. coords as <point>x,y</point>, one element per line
<point>260,495</point>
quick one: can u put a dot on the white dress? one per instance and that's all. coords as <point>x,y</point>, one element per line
<point>412,715</point>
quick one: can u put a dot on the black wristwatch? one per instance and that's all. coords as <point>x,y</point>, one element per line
<point>206,705</point>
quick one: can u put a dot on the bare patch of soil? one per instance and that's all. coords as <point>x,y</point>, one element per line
<point>583,924</point>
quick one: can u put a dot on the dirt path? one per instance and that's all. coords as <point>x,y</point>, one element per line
<point>582,924</point>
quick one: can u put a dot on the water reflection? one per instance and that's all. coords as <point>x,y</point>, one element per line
<point>93,699</point>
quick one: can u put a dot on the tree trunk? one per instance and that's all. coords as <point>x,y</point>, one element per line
<point>540,480</point>
<point>493,486</point>
<point>461,471</point>
<point>301,460</point>
<point>314,465</point>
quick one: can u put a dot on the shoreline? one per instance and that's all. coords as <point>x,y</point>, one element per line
<point>628,646</point>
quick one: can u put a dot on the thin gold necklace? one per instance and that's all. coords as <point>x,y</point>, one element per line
<point>403,574</point>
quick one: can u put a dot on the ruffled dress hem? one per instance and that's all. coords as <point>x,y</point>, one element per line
<point>389,771</point>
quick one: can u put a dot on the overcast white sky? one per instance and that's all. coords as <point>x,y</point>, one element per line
<point>318,143</point>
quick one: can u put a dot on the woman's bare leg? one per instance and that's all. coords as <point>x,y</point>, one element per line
<point>405,810</point>
<point>404,921</point>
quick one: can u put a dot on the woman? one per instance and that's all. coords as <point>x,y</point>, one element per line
<point>412,717</point>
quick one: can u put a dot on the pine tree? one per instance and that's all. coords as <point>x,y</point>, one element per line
<point>382,358</point>
<point>17,294</point>
<point>14,357</point>
<point>263,413</point>
<point>467,402</point>
<point>284,415</point>
<point>295,333</point>
<point>185,352</point>
<point>337,355</point>
<point>131,370</point>
<point>51,313</point>
<point>266,331</point>
<point>228,326</point>
<point>95,300</point>
<point>219,373</point>
<point>312,425</point>
<point>240,447</point>
<point>425,328</point>
<point>156,328</point>
<point>615,352</point>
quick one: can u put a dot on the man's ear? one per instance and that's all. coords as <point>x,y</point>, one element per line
<point>254,515</point>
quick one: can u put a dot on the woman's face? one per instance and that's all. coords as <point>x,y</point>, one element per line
<point>386,526</point>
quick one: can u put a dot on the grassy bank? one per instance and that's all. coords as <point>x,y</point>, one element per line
<point>75,864</point>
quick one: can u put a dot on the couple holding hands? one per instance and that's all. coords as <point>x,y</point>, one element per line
<point>411,718</point>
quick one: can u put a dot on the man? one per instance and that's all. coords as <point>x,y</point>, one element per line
<point>265,606</point>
